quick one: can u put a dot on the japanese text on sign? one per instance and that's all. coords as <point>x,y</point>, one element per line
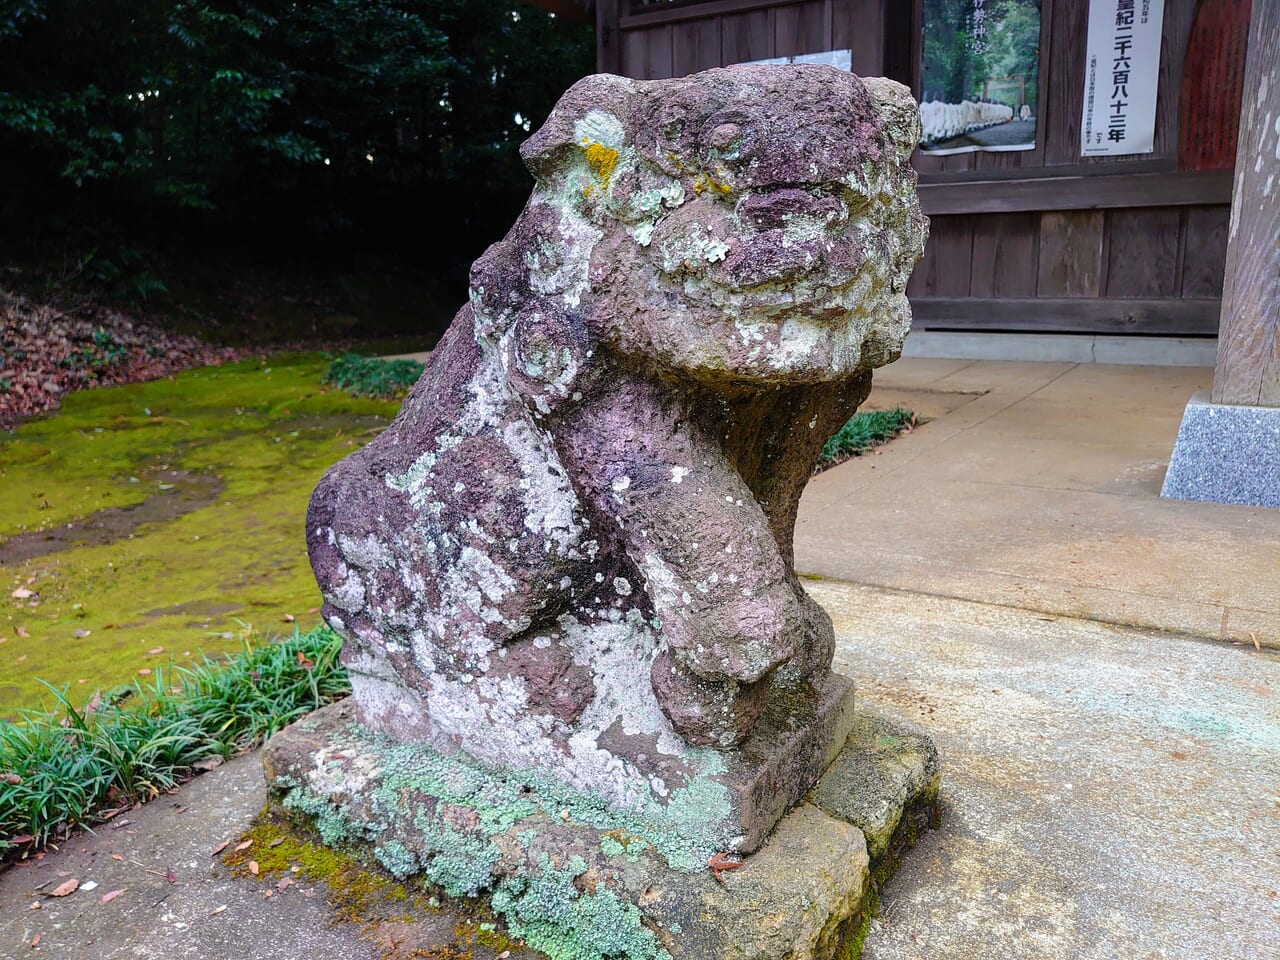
<point>1122,70</point>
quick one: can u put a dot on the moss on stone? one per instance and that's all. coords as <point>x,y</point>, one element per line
<point>263,432</point>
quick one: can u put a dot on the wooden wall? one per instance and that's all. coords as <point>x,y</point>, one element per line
<point>1032,240</point>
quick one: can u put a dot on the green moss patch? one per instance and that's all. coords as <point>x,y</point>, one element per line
<point>404,917</point>
<point>261,433</point>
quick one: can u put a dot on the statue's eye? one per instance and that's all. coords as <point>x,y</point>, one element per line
<point>671,129</point>
<point>724,137</point>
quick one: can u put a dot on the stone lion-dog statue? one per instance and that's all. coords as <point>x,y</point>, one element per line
<point>572,549</point>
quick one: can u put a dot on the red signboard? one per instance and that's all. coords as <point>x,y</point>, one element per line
<point>1212,78</point>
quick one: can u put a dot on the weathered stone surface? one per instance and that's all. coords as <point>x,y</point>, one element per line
<point>884,771</point>
<point>577,879</point>
<point>1226,454</point>
<point>572,550</point>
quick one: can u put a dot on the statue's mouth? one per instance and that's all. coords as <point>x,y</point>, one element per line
<point>785,243</point>
<point>778,257</point>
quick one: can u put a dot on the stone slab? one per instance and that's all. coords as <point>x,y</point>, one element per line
<point>887,770</point>
<point>576,880</point>
<point>1226,454</point>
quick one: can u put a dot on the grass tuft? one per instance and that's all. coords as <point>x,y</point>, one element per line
<point>371,377</point>
<point>66,767</point>
<point>864,431</point>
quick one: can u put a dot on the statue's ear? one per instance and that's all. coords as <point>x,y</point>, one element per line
<point>900,111</point>
<point>596,108</point>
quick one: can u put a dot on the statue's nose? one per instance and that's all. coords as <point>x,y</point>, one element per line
<point>773,208</point>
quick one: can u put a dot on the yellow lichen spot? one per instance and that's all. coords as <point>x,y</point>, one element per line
<point>602,160</point>
<point>707,182</point>
<point>588,191</point>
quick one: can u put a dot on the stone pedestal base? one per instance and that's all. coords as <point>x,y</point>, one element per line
<point>576,879</point>
<point>1226,454</point>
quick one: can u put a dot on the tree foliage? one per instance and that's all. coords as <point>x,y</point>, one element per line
<point>325,115</point>
<point>957,61</point>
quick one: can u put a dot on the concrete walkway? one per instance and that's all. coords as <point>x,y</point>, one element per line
<point>1005,576</point>
<point>1037,486</point>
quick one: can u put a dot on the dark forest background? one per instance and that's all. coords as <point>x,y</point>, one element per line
<point>140,138</point>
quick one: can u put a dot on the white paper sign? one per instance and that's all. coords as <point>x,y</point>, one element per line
<point>840,59</point>
<point>1121,75</point>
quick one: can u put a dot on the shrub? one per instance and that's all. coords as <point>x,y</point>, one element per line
<point>69,766</point>
<point>372,377</point>
<point>863,431</point>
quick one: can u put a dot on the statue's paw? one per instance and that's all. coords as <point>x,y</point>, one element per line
<point>706,712</point>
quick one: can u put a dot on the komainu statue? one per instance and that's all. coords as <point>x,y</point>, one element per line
<point>572,550</point>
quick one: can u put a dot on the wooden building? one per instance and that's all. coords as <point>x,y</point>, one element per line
<point>1038,240</point>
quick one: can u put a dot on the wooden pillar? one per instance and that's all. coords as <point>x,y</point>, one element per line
<point>608,39</point>
<point>1248,367</point>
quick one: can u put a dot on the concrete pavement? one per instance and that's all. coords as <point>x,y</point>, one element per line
<point>1037,486</point>
<point>1108,792</point>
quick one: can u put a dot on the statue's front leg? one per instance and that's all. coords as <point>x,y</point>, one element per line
<point>691,526</point>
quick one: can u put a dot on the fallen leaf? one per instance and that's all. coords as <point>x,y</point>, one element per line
<point>22,632</point>
<point>285,882</point>
<point>116,856</point>
<point>12,779</point>
<point>217,909</point>
<point>253,867</point>
<point>36,906</point>
<point>170,875</point>
<point>220,847</point>
<point>155,650</point>
<point>266,894</point>
<point>89,885</point>
<point>22,593</point>
<point>108,897</point>
<point>35,941</point>
<point>144,672</point>
<point>288,618</point>
<point>66,888</point>
<point>81,634</point>
<point>243,846</point>
<point>304,662</point>
<point>276,842</point>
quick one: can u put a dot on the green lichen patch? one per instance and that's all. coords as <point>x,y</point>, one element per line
<point>403,918</point>
<point>549,912</point>
<point>685,831</point>
<point>260,433</point>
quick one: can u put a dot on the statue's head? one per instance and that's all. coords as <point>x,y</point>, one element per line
<point>747,223</point>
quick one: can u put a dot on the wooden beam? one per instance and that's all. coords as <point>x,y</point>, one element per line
<point>661,13</point>
<point>1170,318</point>
<point>1077,193</point>
<point>1248,368</point>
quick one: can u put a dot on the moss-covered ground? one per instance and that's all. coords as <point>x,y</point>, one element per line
<point>244,444</point>
<point>405,918</point>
